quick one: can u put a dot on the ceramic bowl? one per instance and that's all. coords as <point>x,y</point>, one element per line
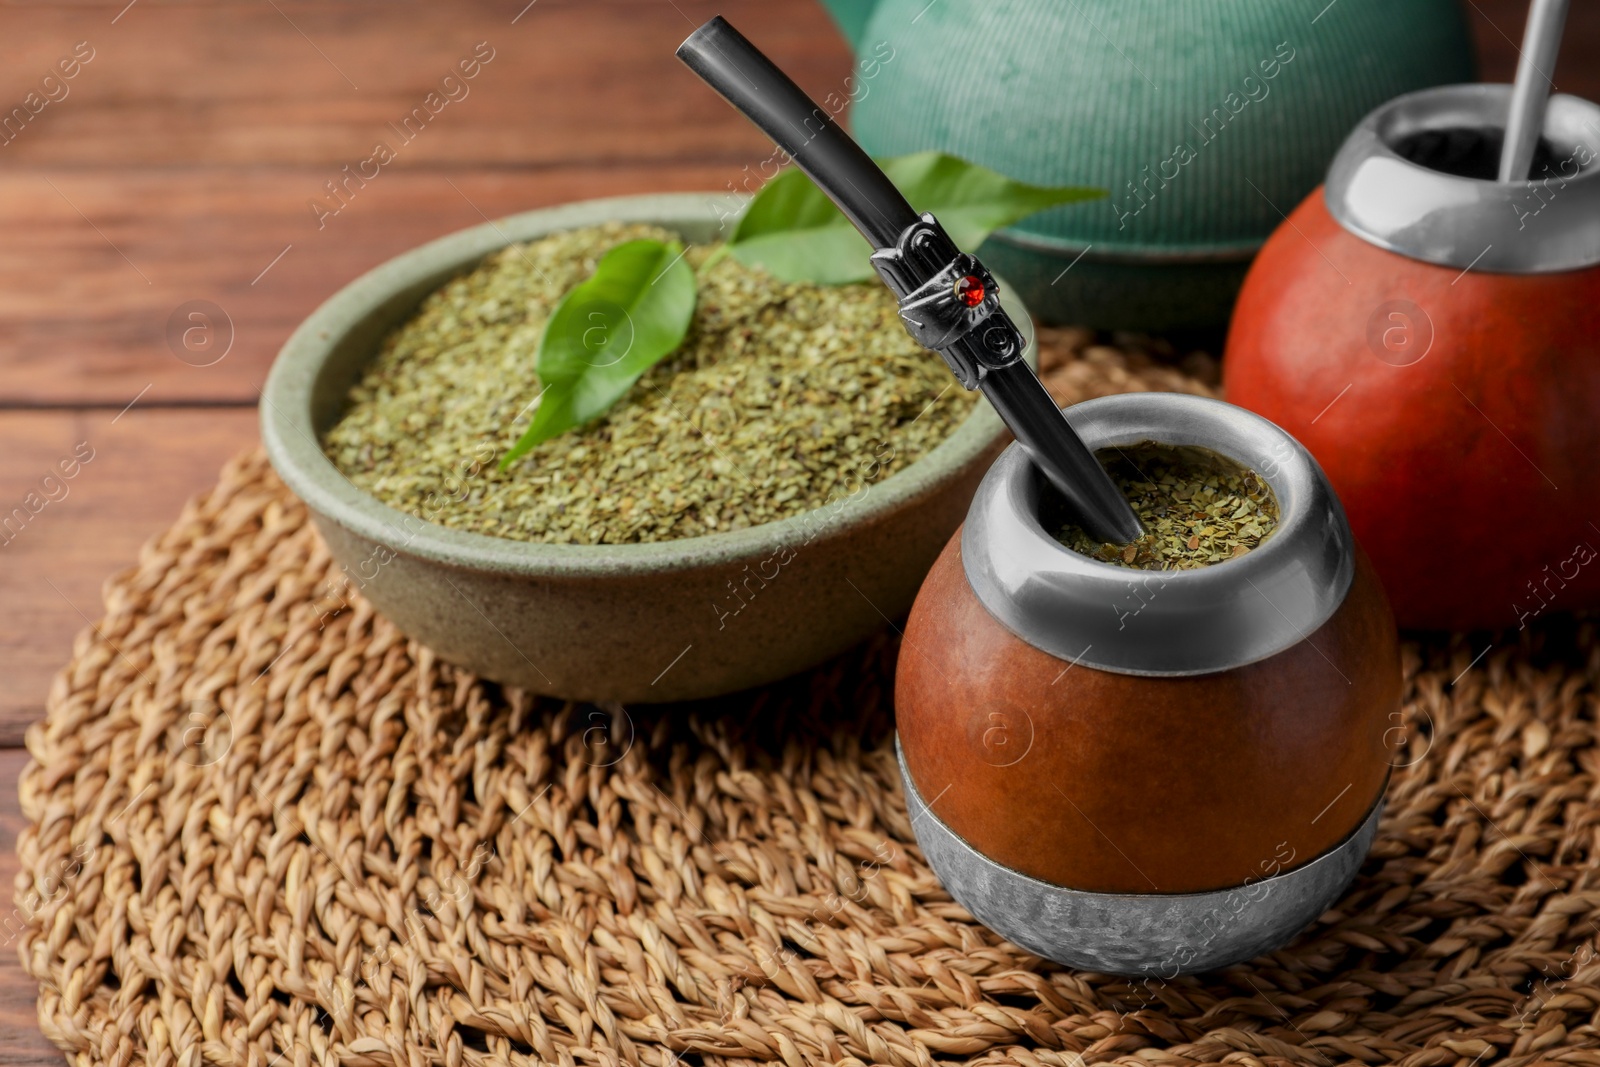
<point>673,620</point>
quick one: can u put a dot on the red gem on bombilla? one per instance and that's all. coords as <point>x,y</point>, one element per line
<point>970,290</point>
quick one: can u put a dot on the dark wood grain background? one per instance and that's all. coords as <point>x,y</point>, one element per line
<point>180,166</point>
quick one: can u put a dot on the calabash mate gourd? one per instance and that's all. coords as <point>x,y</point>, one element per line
<point>1150,771</point>
<point>1205,732</point>
<point>1433,336</point>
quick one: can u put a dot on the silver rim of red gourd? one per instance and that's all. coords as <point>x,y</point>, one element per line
<point>1417,177</point>
<point>1198,621</point>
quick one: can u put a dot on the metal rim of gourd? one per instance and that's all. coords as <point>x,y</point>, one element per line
<point>1148,622</point>
<point>1528,227</point>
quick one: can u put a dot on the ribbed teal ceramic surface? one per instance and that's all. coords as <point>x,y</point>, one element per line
<point>1205,121</point>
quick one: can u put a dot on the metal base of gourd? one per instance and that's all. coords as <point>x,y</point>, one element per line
<point>1146,934</point>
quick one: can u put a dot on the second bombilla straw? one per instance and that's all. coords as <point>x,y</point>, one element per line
<point>1541,41</point>
<point>919,262</point>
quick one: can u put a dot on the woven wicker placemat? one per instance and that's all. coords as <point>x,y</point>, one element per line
<point>264,836</point>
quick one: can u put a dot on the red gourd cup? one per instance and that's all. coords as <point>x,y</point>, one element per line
<point>1433,338</point>
<point>1148,772</point>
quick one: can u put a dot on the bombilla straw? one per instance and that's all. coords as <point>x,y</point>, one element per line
<point>918,262</point>
<point>1541,41</point>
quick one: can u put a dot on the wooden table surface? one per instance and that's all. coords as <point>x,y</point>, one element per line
<point>182,165</point>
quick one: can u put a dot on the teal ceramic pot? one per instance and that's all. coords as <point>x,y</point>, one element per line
<point>1205,122</point>
<point>673,620</point>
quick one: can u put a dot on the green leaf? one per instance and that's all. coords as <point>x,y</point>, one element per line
<point>825,255</point>
<point>611,328</point>
<point>972,201</point>
<point>794,231</point>
<point>790,201</point>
